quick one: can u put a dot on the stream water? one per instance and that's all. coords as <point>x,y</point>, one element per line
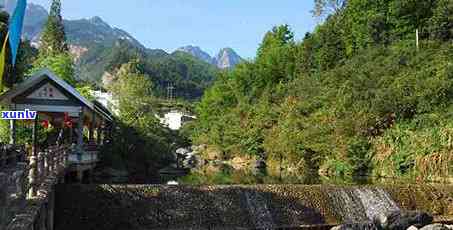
<point>224,174</point>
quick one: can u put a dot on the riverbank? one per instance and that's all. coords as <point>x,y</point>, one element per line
<point>212,168</point>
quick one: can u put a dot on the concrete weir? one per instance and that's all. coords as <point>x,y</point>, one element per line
<point>239,207</point>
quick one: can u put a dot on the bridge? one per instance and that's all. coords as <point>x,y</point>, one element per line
<point>29,171</point>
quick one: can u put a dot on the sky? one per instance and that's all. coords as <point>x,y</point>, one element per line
<point>210,24</point>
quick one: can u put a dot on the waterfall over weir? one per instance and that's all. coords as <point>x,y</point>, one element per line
<point>259,211</point>
<point>239,207</point>
<point>361,204</point>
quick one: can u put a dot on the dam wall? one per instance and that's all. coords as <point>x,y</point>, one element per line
<point>239,207</point>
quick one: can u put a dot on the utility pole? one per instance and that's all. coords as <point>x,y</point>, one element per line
<point>170,94</point>
<point>417,39</point>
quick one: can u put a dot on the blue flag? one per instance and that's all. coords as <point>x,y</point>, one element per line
<point>15,28</point>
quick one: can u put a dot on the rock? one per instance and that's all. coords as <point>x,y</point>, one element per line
<point>191,161</point>
<point>260,164</point>
<point>182,151</point>
<point>172,183</point>
<point>435,227</point>
<point>357,226</point>
<point>412,228</point>
<point>402,220</point>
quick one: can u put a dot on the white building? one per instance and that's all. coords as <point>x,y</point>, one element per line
<point>106,99</point>
<point>175,119</point>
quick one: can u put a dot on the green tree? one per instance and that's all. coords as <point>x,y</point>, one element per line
<point>277,37</point>
<point>53,38</point>
<point>134,92</point>
<point>275,59</point>
<point>441,24</point>
<point>53,52</point>
<point>325,7</point>
<point>141,145</point>
<point>61,64</point>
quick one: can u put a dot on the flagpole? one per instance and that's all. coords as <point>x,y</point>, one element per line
<point>3,61</point>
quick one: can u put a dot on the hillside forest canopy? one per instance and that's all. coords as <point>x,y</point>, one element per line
<point>355,97</point>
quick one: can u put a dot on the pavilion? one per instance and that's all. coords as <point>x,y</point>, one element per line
<point>61,106</point>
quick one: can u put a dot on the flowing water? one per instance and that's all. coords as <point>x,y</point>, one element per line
<point>351,200</point>
<point>259,211</point>
<point>226,175</point>
<point>361,204</point>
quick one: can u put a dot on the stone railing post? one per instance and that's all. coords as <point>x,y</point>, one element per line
<point>46,162</point>
<point>61,158</point>
<point>41,166</point>
<point>55,160</point>
<point>65,156</point>
<point>62,161</point>
<point>33,178</point>
<point>14,154</point>
<point>22,153</point>
<point>50,160</point>
<point>21,180</point>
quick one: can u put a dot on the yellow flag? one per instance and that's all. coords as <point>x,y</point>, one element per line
<point>2,61</point>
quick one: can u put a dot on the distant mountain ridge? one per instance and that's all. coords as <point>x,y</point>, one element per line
<point>100,49</point>
<point>80,32</point>
<point>34,21</point>
<point>226,58</point>
<point>83,33</point>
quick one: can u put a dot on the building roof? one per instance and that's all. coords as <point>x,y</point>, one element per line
<point>47,74</point>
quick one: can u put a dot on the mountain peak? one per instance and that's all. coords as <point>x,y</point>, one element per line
<point>96,20</point>
<point>196,52</point>
<point>227,58</point>
<point>227,49</point>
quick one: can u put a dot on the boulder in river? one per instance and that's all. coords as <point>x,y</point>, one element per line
<point>260,164</point>
<point>436,227</point>
<point>182,151</point>
<point>402,220</point>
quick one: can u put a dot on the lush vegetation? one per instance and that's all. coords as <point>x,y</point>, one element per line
<point>188,75</point>
<point>54,52</point>
<point>141,145</point>
<point>354,97</point>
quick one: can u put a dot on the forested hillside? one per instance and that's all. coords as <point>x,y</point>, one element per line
<point>188,75</point>
<point>354,97</point>
<point>100,49</point>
